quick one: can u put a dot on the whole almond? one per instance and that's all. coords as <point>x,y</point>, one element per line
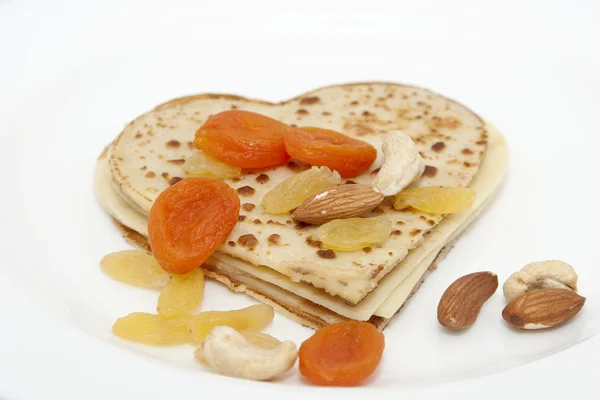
<point>542,308</point>
<point>461,302</point>
<point>343,201</point>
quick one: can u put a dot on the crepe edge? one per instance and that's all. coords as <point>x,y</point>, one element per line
<point>302,317</point>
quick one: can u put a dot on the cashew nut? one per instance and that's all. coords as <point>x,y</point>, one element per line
<point>228,352</point>
<point>552,274</point>
<point>402,164</point>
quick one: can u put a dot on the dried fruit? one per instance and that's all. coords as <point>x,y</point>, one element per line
<point>435,199</point>
<point>183,294</point>
<point>202,165</point>
<point>135,268</point>
<point>228,352</point>
<point>461,302</point>
<point>542,308</point>
<point>343,201</point>
<point>259,339</point>
<point>327,148</point>
<point>153,329</point>
<point>249,319</point>
<point>402,164</point>
<point>354,233</point>
<point>244,139</point>
<point>189,220</point>
<point>341,354</point>
<point>291,192</point>
<point>541,275</point>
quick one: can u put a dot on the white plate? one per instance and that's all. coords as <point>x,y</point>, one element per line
<point>73,74</point>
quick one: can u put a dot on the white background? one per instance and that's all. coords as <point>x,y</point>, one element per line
<point>72,73</point>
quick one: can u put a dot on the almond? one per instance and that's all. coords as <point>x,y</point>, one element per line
<point>461,302</point>
<point>343,201</point>
<point>542,308</point>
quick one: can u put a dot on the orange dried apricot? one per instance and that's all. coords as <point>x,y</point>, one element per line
<point>327,148</point>
<point>341,354</point>
<point>189,220</point>
<point>243,139</point>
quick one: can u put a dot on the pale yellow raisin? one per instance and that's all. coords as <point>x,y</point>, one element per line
<point>135,268</point>
<point>435,199</point>
<point>183,294</point>
<point>292,192</point>
<point>260,339</point>
<point>153,329</point>
<point>354,233</point>
<point>202,165</point>
<point>249,319</point>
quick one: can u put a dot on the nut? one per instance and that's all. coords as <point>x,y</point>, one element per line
<point>402,164</point>
<point>228,352</point>
<point>461,302</point>
<point>543,308</point>
<point>541,275</point>
<point>259,339</point>
<point>343,201</point>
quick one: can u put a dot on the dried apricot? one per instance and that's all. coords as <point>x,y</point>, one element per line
<point>249,319</point>
<point>341,354</point>
<point>243,139</point>
<point>135,268</point>
<point>153,329</point>
<point>183,294</point>
<point>435,199</point>
<point>189,220</point>
<point>327,148</point>
<point>292,192</point>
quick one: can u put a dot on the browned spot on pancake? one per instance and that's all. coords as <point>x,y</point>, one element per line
<point>396,232</point>
<point>377,270</point>
<point>367,250</point>
<point>311,241</point>
<point>430,171</point>
<point>350,182</point>
<point>248,241</point>
<point>173,143</point>
<point>453,161</point>
<point>231,243</point>
<point>366,113</point>
<point>293,125</point>
<point>165,175</point>
<point>302,226</point>
<point>423,218</point>
<point>271,222</point>
<point>152,189</point>
<point>161,157</point>
<point>257,221</point>
<point>343,283</point>
<point>310,100</point>
<point>354,103</point>
<point>234,107</point>
<point>248,206</point>
<point>468,164</point>
<point>138,135</point>
<point>438,147</point>
<point>467,152</point>
<point>378,210</point>
<point>390,253</point>
<point>445,122</point>
<point>302,111</point>
<point>415,232</point>
<point>297,166</point>
<point>326,253</point>
<point>431,222</point>
<point>235,179</point>
<point>143,168</point>
<point>358,128</point>
<point>482,142</point>
<point>352,113</point>
<point>178,161</point>
<point>246,191</point>
<point>150,174</point>
<point>274,239</point>
<point>375,171</point>
<point>241,218</point>
<point>174,180</point>
<point>400,223</point>
<point>326,113</point>
<point>142,157</point>
<point>262,178</point>
<point>190,145</point>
